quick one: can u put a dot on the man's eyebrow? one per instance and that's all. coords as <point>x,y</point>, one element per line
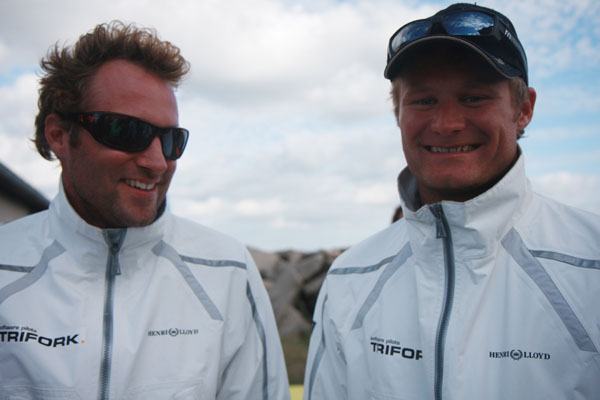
<point>415,87</point>
<point>481,83</point>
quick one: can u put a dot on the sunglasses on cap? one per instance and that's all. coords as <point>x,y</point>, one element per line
<point>131,134</point>
<point>474,26</point>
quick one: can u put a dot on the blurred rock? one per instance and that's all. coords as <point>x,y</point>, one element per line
<point>285,288</point>
<point>293,280</point>
<point>266,263</point>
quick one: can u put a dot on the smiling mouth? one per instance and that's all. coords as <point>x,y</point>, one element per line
<point>459,149</point>
<point>139,185</point>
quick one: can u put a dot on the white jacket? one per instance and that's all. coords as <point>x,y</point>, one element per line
<point>494,298</point>
<point>168,311</point>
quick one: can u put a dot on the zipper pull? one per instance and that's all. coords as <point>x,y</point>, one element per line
<point>114,239</point>
<point>115,267</point>
<point>436,210</point>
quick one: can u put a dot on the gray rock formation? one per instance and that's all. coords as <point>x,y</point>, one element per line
<point>293,280</point>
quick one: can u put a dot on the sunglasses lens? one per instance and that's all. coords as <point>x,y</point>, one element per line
<point>173,142</point>
<point>135,135</point>
<point>127,133</point>
<point>120,132</point>
<point>468,23</point>
<point>410,32</point>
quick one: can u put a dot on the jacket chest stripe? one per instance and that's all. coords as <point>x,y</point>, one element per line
<point>34,273</point>
<point>263,338</point>
<point>318,355</point>
<point>214,263</point>
<point>162,249</point>
<point>361,270</point>
<point>389,270</point>
<point>567,259</point>
<point>15,268</point>
<point>514,245</point>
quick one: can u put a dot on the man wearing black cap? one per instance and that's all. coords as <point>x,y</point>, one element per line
<point>484,290</point>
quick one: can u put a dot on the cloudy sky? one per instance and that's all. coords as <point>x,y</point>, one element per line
<point>293,142</point>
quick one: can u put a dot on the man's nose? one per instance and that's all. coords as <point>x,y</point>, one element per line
<point>449,119</point>
<point>152,158</point>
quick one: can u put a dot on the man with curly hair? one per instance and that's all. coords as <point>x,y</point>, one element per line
<point>107,295</point>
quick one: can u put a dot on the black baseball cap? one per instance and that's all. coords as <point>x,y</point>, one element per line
<point>487,32</point>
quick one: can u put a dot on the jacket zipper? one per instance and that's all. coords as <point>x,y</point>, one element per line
<point>443,232</point>
<point>114,239</point>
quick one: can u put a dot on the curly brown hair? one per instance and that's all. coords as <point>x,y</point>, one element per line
<point>68,70</point>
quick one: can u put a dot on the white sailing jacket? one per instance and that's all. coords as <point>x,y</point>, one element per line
<point>494,298</point>
<point>168,311</point>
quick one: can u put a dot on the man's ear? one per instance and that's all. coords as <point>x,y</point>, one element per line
<point>57,134</point>
<point>526,110</point>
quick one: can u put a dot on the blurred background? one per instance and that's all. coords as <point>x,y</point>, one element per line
<point>293,141</point>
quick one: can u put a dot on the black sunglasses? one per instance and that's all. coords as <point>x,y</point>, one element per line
<point>459,23</point>
<point>131,134</point>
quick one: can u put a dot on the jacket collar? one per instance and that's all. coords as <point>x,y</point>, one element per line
<point>70,229</point>
<point>478,224</point>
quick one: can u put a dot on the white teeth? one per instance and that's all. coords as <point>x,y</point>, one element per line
<point>140,185</point>
<point>437,149</point>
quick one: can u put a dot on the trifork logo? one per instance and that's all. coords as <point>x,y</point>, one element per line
<point>391,347</point>
<point>25,334</point>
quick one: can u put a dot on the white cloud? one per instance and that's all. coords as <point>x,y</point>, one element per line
<point>200,209</point>
<point>562,99</point>
<point>558,36</point>
<point>259,207</point>
<point>578,190</point>
<point>349,94</point>
<point>17,112</point>
<point>293,142</point>
<point>379,193</point>
<point>556,134</point>
<point>3,50</point>
<point>280,223</point>
<point>19,155</point>
<point>18,106</point>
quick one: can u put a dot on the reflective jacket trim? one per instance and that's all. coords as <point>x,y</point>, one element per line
<point>261,333</point>
<point>392,264</point>
<point>214,263</point>
<point>389,270</point>
<point>318,356</point>
<point>513,243</point>
<point>15,268</point>
<point>35,273</point>
<point>567,259</point>
<point>361,270</point>
<point>162,249</point>
<point>258,322</point>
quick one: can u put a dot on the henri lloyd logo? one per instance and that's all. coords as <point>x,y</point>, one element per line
<point>25,334</point>
<point>519,354</point>
<point>173,332</point>
<point>391,347</point>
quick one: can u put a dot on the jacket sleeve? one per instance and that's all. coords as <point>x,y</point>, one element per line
<point>325,373</point>
<point>257,369</point>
